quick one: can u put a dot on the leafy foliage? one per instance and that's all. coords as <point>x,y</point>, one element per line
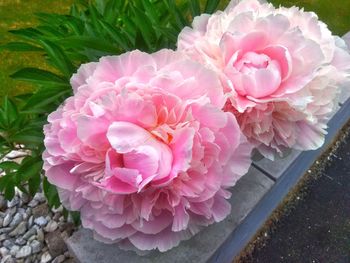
<point>91,30</point>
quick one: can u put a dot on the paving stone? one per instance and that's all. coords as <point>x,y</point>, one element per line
<point>344,97</point>
<point>277,167</point>
<point>245,195</point>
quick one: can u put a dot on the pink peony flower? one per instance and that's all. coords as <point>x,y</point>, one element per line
<point>282,69</point>
<point>143,150</point>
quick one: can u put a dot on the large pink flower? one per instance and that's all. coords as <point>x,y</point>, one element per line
<point>143,150</point>
<point>281,68</point>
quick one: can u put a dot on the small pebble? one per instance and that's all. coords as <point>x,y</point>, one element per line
<point>24,198</point>
<point>8,244</point>
<point>40,221</point>
<point>46,257</point>
<point>14,250</point>
<point>51,226</point>
<point>4,251</point>
<point>40,197</point>
<point>17,219</point>
<point>56,216</point>
<point>57,210</point>
<point>7,220</point>
<point>40,235</point>
<point>19,230</point>
<point>36,246</point>
<point>21,211</point>
<point>31,238</point>
<point>40,210</point>
<point>12,211</point>
<point>29,211</point>
<point>59,259</point>
<point>24,252</point>
<point>3,237</point>
<point>33,203</point>
<point>6,259</point>
<point>13,202</point>
<point>5,230</point>
<point>30,221</point>
<point>20,241</point>
<point>29,233</point>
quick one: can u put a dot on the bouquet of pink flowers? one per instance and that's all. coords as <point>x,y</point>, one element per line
<point>149,144</point>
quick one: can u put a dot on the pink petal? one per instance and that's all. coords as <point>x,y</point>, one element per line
<point>155,225</point>
<point>181,219</point>
<point>125,136</point>
<point>60,176</point>
<point>145,159</point>
<point>84,72</point>
<point>282,57</point>
<point>221,209</point>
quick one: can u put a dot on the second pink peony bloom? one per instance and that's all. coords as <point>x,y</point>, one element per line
<point>281,68</point>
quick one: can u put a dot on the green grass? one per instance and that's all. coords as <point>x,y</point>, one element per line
<point>20,13</point>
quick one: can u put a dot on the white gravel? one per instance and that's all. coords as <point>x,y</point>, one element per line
<point>28,228</point>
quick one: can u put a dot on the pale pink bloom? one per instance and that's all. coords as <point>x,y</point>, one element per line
<point>281,68</point>
<point>143,149</point>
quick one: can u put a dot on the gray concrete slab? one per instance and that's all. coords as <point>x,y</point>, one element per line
<point>245,195</point>
<point>277,167</point>
<point>344,96</point>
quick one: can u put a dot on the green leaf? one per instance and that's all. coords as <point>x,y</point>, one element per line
<point>29,168</point>
<point>112,9</point>
<point>51,194</point>
<point>20,46</point>
<point>82,42</point>
<point>211,6</point>
<point>34,184</point>
<point>27,33</point>
<point>116,35</point>
<point>76,217</point>
<point>195,7</point>
<point>151,11</point>
<point>39,76</point>
<point>9,190</point>
<point>146,29</point>
<point>7,185</point>
<point>181,21</point>
<point>34,137</point>
<point>9,166</point>
<point>8,113</point>
<point>45,99</point>
<point>58,58</point>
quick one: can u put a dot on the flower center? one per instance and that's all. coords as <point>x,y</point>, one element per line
<point>251,62</point>
<point>136,157</point>
<point>255,75</point>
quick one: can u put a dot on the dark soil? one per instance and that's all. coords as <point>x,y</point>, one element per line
<point>317,229</point>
